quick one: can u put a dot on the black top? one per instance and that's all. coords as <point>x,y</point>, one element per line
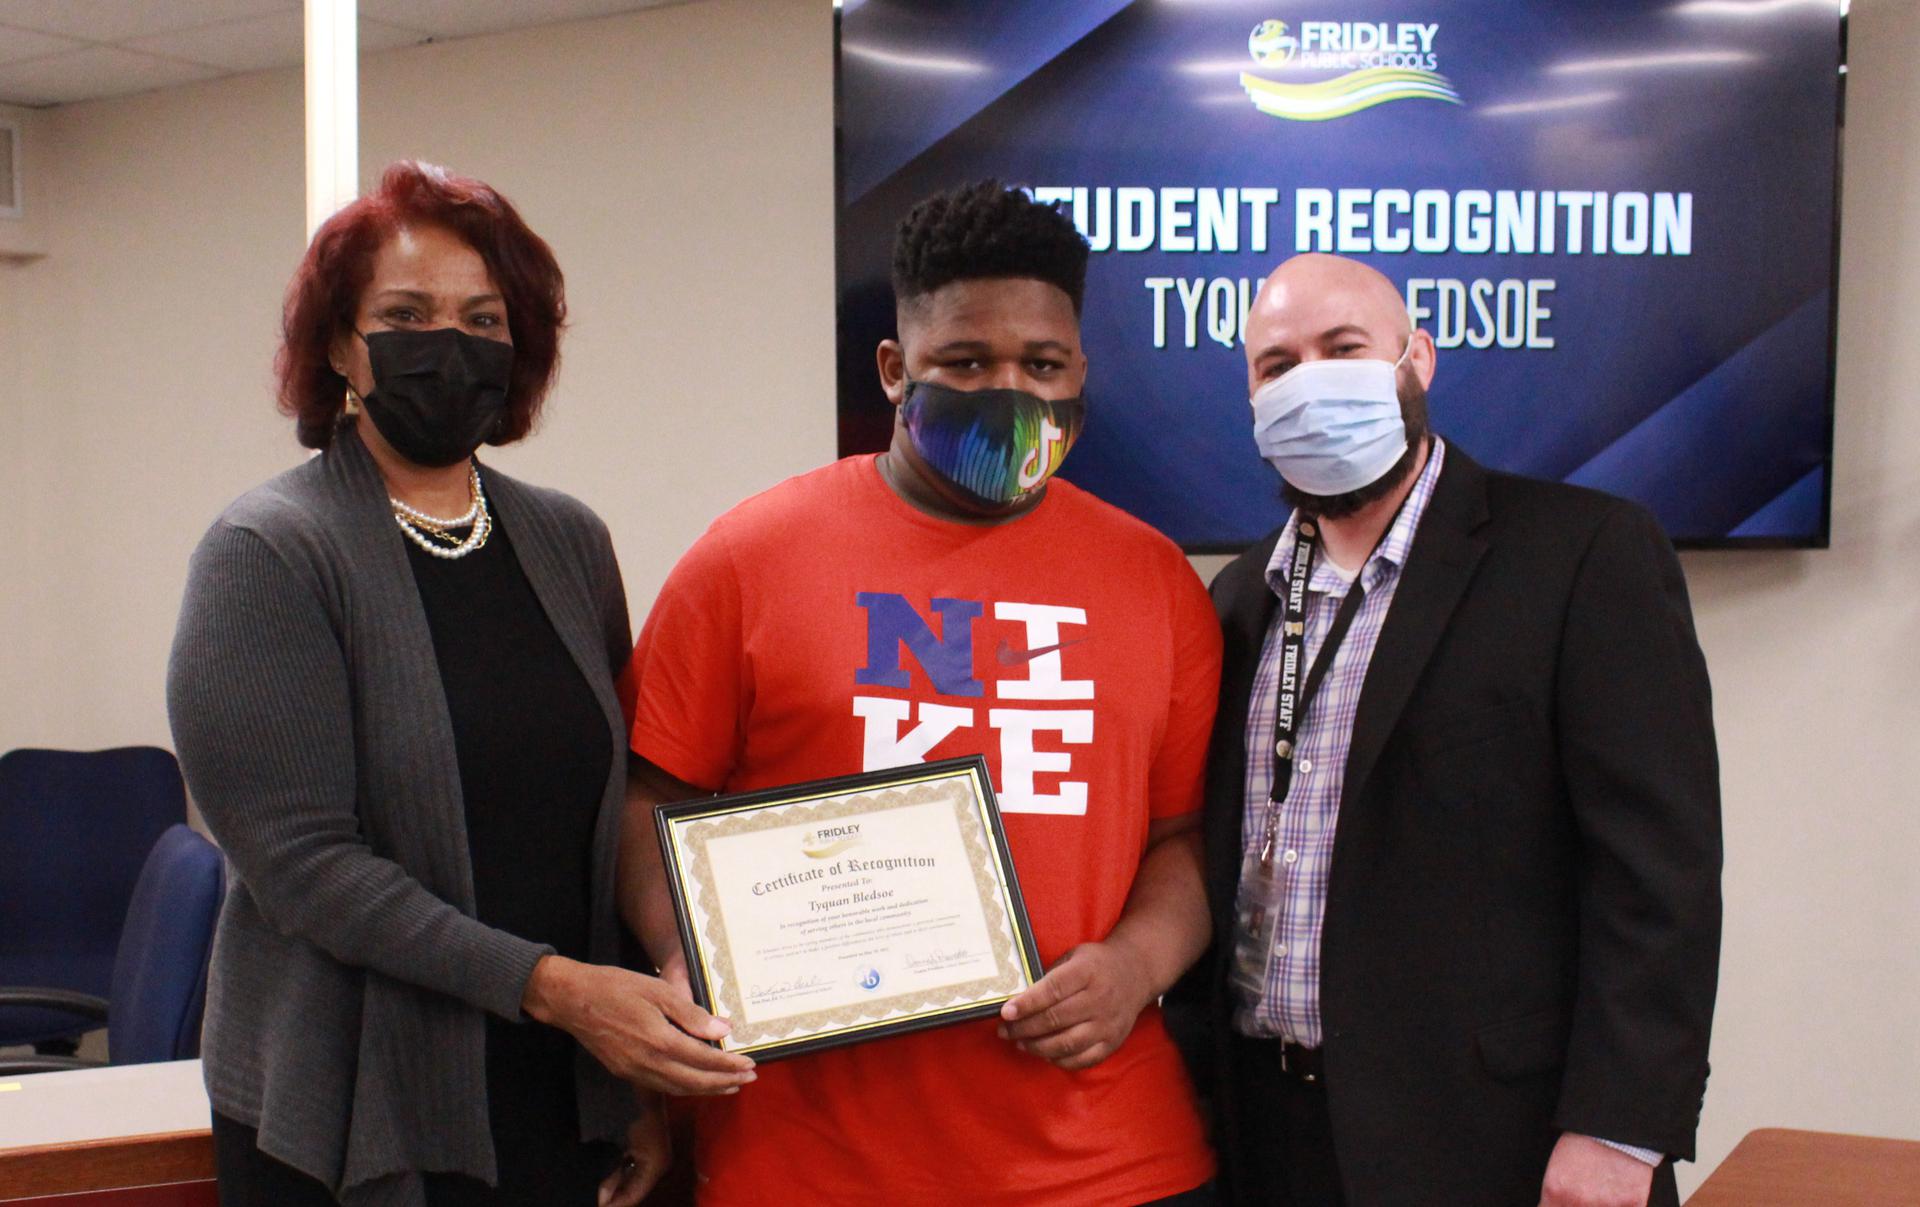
<point>534,751</point>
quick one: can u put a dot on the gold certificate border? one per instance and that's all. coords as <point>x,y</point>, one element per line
<point>962,790</point>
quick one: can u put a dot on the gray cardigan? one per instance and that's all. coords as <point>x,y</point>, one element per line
<point>344,1010</point>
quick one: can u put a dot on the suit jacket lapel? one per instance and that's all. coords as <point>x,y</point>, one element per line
<point>1246,626</point>
<point>1245,605</point>
<point>1445,552</point>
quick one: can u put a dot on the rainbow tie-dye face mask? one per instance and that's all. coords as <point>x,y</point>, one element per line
<point>996,447</point>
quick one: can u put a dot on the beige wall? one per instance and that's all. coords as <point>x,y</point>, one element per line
<point>683,173</point>
<point>19,238</point>
<point>141,363</point>
<point>26,235</point>
<point>1816,668</point>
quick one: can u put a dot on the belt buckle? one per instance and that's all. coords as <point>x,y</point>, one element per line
<point>1286,1066</point>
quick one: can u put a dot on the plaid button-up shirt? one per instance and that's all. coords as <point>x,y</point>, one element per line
<point>1303,839</point>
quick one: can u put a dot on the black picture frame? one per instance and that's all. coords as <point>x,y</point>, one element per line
<point>975,766</point>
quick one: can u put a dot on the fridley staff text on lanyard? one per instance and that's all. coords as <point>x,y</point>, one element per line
<point>1291,708</point>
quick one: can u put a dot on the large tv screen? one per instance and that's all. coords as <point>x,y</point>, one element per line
<point>1618,218</point>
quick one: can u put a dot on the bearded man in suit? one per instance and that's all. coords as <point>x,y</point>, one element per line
<point>1463,832</point>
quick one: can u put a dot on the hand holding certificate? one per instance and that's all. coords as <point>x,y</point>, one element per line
<point>847,909</point>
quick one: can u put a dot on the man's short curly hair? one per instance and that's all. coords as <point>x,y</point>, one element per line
<point>986,229</point>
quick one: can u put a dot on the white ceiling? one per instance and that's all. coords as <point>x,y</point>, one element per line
<point>54,52</point>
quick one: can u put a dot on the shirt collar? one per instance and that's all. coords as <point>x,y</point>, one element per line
<point>1386,560</point>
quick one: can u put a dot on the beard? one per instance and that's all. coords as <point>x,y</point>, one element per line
<point>1413,413</point>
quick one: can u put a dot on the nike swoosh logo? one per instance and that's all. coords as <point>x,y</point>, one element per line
<point>1012,657</point>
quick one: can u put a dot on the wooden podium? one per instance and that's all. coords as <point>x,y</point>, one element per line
<point>133,1136</point>
<point>1775,1167</point>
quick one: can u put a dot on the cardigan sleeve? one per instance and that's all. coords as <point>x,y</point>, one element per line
<point>260,705</point>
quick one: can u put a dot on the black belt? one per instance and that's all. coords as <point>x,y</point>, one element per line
<point>1301,1064</point>
<point>1295,1062</point>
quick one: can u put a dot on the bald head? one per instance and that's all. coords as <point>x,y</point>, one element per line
<point>1321,307</point>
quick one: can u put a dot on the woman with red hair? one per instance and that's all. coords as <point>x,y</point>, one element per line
<point>392,692</point>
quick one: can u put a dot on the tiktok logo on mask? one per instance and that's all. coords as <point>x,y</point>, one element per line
<point>899,733</point>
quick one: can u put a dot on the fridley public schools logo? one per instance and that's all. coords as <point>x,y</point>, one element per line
<point>871,981</point>
<point>1271,45</point>
<point>1379,62</point>
<point>828,841</point>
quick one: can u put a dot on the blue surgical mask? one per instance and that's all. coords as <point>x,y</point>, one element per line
<point>1332,426</point>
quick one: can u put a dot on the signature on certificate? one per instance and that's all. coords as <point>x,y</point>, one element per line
<point>787,988</point>
<point>941,958</point>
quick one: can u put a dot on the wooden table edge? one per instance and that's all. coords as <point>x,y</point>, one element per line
<point>110,1163</point>
<point>1857,1137</point>
<point>1768,1144</point>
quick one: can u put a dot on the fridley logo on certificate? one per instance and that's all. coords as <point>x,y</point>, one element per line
<point>871,981</point>
<point>828,841</point>
<point>1379,62</point>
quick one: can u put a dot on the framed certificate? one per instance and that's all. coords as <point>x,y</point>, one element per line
<point>847,909</point>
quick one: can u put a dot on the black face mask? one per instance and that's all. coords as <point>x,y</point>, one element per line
<point>437,395</point>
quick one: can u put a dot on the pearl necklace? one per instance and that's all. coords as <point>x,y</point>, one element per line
<point>421,527</point>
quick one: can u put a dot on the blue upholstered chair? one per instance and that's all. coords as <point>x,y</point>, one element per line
<point>159,987</point>
<point>75,829</point>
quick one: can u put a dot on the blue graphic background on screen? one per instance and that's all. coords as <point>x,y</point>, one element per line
<point>1698,385</point>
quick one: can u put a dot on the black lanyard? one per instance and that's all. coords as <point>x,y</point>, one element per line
<point>1290,711</point>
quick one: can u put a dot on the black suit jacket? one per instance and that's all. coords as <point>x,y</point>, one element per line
<point>1523,917</point>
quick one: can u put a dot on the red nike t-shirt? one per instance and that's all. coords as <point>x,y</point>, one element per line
<point>826,627</point>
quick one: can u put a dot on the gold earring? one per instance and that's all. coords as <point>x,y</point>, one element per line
<point>353,402</point>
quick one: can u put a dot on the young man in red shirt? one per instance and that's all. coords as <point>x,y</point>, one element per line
<point>948,598</point>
